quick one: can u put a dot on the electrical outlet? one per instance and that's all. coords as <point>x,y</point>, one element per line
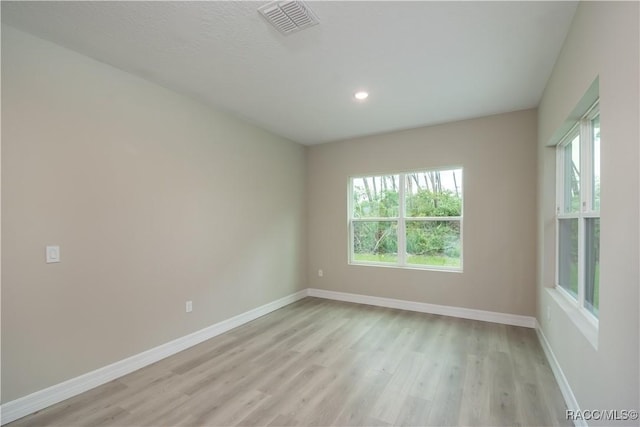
<point>52,254</point>
<point>548,313</point>
<point>320,273</point>
<point>189,306</point>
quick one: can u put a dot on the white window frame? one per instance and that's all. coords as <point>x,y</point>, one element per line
<point>584,129</point>
<point>401,221</point>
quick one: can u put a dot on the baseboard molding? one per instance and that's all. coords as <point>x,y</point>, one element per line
<point>31,403</point>
<point>565,388</point>
<point>445,310</point>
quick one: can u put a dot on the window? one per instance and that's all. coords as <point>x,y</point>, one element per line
<point>578,212</point>
<point>411,219</point>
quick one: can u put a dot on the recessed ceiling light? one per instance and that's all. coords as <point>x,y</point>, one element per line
<point>361,95</point>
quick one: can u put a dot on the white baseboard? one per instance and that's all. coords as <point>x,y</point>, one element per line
<point>445,310</point>
<point>565,388</point>
<point>31,403</point>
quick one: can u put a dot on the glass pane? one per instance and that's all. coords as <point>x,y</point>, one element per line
<point>595,203</point>
<point>433,193</point>
<point>375,241</point>
<point>572,176</point>
<point>375,196</point>
<point>592,265</point>
<point>568,255</point>
<point>434,243</point>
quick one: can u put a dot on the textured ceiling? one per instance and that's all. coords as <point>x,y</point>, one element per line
<point>423,62</point>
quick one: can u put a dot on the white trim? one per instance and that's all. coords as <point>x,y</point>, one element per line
<point>445,310</point>
<point>585,321</point>
<point>407,218</point>
<point>41,399</point>
<point>448,269</point>
<point>401,232</point>
<point>376,219</point>
<point>565,388</point>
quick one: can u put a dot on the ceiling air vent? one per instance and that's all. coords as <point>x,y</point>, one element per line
<point>289,16</point>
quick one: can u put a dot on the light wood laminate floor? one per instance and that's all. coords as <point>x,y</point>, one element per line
<point>325,363</point>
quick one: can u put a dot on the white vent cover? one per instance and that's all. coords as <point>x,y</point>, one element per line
<point>289,16</point>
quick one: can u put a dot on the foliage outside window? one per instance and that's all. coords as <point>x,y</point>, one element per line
<point>578,212</point>
<point>411,219</point>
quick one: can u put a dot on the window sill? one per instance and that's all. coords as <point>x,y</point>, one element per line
<point>581,319</point>
<point>407,267</point>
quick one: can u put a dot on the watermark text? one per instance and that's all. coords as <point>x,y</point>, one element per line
<point>602,414</point>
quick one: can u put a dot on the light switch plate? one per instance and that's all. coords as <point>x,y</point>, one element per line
<point>52,254</point>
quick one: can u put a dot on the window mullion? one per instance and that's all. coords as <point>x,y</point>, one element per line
<point>402,238</point>
<point>586,148</point>
<point>581,261</point>
<point>585,198</point>
<point>560,186</point>
<point>350,218</point>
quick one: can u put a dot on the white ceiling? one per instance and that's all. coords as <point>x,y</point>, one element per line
<point>423,62</point>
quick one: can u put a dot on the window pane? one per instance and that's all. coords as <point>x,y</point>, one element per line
<point>568,255</point>
<point>592,265</point>
<point>433,193</point>
<point>596,163</point>
<point>572,176</point>
<point>375,241</point>
<point>434,243</point>
<point>375,196</point>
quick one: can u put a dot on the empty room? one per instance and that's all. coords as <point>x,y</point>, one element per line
<point>322,213</point>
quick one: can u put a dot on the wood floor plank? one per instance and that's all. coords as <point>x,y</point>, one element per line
<point>318,363</point>
<point>308,395</point>
<point>235,410</point>
<point>502,402</point>
<point>360,403</point>
<point>157,411</point>
<point>413,412</point>
<point>283,421</point>
<point>397,391</point>
<point>474,407</point>
<point>426,381</point>
<point>70,409</point>
<point>445,407</point>
<point>275,406</point>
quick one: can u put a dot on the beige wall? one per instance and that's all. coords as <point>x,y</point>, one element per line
<point>154,199</point>
<point>603,41</point>
<point>498,155</point>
